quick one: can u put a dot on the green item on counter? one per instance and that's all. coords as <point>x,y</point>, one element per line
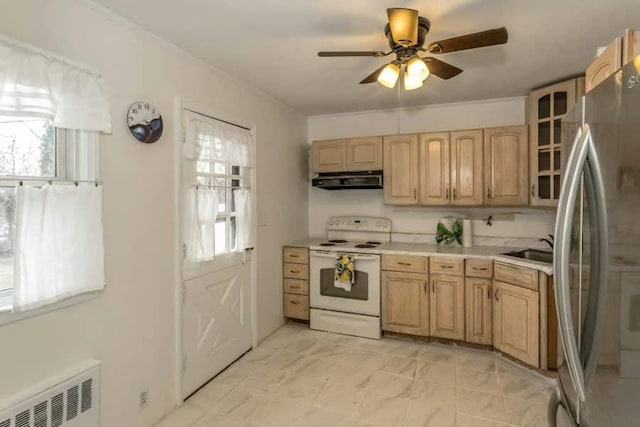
<point>446,236</point>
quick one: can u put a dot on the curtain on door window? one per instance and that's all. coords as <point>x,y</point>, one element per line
<point>208,139</point>
<point>202,211</point>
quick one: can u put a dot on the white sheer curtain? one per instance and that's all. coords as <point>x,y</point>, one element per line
<point>41,84</point>
<point>210,139</point>
<point>202,206</point>
<point>59,248</point>
<point>244,219</point>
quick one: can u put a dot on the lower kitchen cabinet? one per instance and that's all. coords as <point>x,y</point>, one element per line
<point>405,303</point>
<point>447,307</point>
<point>516,322</point>
<point>479,310</point>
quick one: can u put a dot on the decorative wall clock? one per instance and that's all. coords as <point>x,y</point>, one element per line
<point>145,123</point>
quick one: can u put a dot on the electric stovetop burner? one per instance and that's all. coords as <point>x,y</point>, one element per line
<point>373,242</point>
<point>365,245</point>
<point>327,244</point>
<point>338,241</point>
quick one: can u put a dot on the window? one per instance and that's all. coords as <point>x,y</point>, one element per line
<point>225,178</point>
<point>32,149</point>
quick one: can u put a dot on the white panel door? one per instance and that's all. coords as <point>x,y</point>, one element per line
<point>216,324</point>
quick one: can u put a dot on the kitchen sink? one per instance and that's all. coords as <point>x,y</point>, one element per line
<point>533,255</point>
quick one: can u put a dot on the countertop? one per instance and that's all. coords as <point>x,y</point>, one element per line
<point>426,249</point>
<point>491,252</point>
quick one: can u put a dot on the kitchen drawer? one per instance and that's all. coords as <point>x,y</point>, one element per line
<point>519,276</point>
<point>296,271</point>
<point>453,266</point>
<point>296,306</point>
<point>296,255</point>
<point>408,263</point>
<point>296,286</point>
<point>477,267</point>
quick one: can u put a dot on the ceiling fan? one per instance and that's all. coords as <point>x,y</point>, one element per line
<point>406,33</point>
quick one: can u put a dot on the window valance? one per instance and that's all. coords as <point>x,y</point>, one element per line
<point>211,139</point>
<point>37,83</point>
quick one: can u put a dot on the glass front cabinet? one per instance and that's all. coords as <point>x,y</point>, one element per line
<point>546,107</point>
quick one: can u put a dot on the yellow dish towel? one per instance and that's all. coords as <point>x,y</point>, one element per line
<point>344,275</point>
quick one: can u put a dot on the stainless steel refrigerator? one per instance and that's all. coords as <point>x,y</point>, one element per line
<point>597,258</point>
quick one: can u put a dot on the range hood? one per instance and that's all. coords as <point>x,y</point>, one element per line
<point>348,180</point>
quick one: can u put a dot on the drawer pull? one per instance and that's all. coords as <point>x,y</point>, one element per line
<point>294,286</point>
<point>480,268</point>
<point>294,255</point>
<point>294,302</point>
<point>404,263</point>
<point>446,266</point>
<point>295,271</point>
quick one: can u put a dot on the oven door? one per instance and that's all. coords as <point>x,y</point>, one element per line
<point>364,297</point>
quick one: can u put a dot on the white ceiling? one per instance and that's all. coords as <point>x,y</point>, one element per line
<point>272,44</point>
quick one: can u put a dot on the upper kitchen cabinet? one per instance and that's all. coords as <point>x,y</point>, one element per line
<point>450,168</point>
<point>506,166</point>
<point>400,168</point>
<point>434,184</point>
<point>364,154</point>
<point>329,156</point>
<point>347,155</point>
<point>619,52</point>
<point>604,65</point>
<point>546,107</point>
<point>466,167</point>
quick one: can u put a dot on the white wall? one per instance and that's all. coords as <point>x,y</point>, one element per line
<point>526,225</point>
<point>130,327</point>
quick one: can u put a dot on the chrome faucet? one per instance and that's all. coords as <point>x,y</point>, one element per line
<point>548,241</point>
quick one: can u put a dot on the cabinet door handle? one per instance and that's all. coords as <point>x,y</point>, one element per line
<point>446,194</point>
<point>415,194</point>
<point>424,286</point>
<point>433,287</point>
<point>489,292</point>
<point>454,193</point>
<point>489,192</point>
<point>533,190</point>
<point>496,294</point>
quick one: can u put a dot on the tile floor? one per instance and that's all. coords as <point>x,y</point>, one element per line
<point>299,377</point>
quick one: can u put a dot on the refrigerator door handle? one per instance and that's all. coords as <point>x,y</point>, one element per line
<point>594,185</point>
<point>563,227</point>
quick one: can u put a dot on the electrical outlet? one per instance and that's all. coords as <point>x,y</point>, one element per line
<point>144,399</point>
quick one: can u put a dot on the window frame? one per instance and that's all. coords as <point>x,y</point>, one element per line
<point>75,160</point>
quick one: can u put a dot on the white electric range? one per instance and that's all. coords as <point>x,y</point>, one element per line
<point>354,312</point>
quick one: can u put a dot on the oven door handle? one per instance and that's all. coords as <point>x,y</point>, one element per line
<point>334,255</point>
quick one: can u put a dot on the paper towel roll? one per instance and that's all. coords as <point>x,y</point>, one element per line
<point>467,233</point>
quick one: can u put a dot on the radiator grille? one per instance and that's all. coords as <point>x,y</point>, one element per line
<point>68,403</point>
<point>40,417</point>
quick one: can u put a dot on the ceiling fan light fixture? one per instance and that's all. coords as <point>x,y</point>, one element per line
<point>417,69</point>
<point>411,82</point>
<point>404,25</point>
<point>389,75</point>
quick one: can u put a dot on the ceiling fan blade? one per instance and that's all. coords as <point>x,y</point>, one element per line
<point>373,77</point>
<point>376,53</point>
<point>470,41</point>
<point>404,25</point>
<point>441,69</point>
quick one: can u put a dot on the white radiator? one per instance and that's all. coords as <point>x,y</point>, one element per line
<point>68,400</point>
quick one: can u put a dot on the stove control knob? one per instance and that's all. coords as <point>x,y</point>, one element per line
<point>378,224</point>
